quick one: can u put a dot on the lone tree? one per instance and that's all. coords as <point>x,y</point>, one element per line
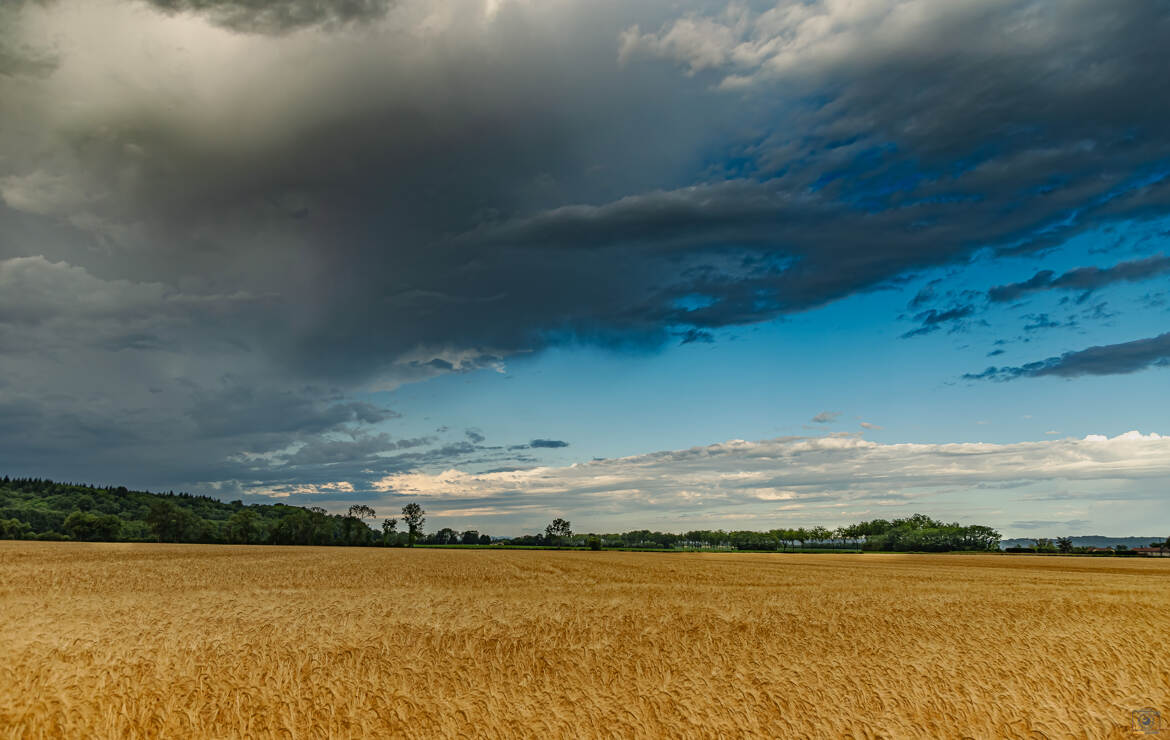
<point>412,517</point>
<point>361,511</point>
<point>558,530</point>
<point>1064,544</point>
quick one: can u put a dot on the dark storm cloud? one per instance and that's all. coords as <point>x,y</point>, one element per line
<point>1085,279</point>
<point>277,16</point>
<point>358,447</point>
<point>15,62</point>
<point>551,444</point>
<point>482,159</point>
<point>1011,152</point>
<point>520,276</point>
<point>243,408</point>
<point>174,440</point>
<point>1110,359</point>
<point>399,191</point>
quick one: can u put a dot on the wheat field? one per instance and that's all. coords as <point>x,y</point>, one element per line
<point>113,640</point>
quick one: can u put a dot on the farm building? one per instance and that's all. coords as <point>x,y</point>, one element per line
<point>1155,552</point>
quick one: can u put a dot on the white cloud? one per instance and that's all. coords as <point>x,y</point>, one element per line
<point>310,489</point>
<point>809,474</point>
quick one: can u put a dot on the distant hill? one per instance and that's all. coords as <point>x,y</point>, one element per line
<point>1090,540</point>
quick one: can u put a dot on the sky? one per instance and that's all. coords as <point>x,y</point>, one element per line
<point>665,265</point>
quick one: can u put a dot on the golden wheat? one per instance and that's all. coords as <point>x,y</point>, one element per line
<point>110,640</point>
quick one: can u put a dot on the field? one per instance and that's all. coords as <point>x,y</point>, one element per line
<point>109,640</point>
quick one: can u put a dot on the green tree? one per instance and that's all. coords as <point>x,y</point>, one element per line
<point>981,537</point>
<point>356,531</point>
<point>14,529</point>
<point>242,527</point>
<point>81,525</point>
<point>388,533</point>
<point>853,533</point>
<point>361,511</point>
<point>837,535</point>
<point>558,530</point>
<point>819,535</point>
<point>412,516</point>
<point>168,521</point>
<point>1064,544</point>
<point>801,535</point>
<point>322,526</point>
<point>294,528</point>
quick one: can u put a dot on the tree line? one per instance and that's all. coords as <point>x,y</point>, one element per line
<point>917,533</point>
<point>33,508</point>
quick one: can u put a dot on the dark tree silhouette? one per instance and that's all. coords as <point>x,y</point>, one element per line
<point>412,517</point>
<point>361,511</point>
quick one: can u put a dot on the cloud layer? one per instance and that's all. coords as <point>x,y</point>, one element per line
<point>823,480</point>
<point>277,16</point>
